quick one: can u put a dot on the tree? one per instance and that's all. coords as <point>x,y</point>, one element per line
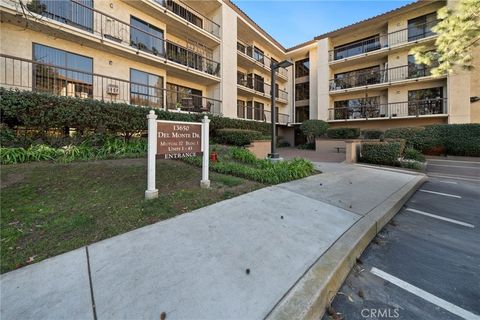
<point>313,129</point>
<point>458,34</point>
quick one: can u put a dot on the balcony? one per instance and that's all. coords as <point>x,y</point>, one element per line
<point>18,73</point>
<point>261,88</point>
<point>260,114</point>
<point>375,43</point>
<point>118,32</point>
<point>376,76</point>
<point>249,53</point>
<point>396,110</point>
<point>191,15</point>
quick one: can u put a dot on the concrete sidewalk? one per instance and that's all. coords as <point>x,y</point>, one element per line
<point>251,257</point>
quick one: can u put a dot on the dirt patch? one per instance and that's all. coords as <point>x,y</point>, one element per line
<point>11,179</point>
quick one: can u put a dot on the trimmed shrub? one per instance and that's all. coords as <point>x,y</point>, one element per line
<point>313,129</point>
<point>410,135</point>
<point>380,152</point>
<point>372,134</point>
<point>413,154</point>
<point>452,139</point>
<point>236,137</point>
<point>343,133</point>
<point>43,112</point>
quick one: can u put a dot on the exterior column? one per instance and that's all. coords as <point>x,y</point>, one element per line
<point>205,183</point>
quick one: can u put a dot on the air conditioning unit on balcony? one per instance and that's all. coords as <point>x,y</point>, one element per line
<point>113,89</point>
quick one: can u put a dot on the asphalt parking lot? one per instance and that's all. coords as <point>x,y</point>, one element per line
<point>425,264</point>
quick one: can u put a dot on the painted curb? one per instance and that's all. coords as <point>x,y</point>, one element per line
<point>317,288</point>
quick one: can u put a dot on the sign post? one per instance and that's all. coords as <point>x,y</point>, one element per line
<point>205,183</point>
<point>175,140</point>
<point>151,192</point>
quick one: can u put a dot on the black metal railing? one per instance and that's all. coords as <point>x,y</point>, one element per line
<point>261,87</point>
<point>18,73</point>
<point>376,76</point>
<point>260,114</point>
<point>261,59</point>
<point>107,27</point>
<point>191,15</point>
<point>383,41</point>
<point>390,110</point>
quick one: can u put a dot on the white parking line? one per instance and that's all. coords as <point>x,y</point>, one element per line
<point>441,218</point>
<point>450,166</point>
<point>442,194</point>
<point>450,182</point>
<point>450,307</point>
<point>433,175</point>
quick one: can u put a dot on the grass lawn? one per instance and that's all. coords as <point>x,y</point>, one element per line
<point>50,208</point>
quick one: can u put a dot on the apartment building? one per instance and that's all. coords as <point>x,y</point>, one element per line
<point>209,56</point>
<point>363,75</point>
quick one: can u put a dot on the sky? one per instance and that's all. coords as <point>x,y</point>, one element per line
<point>302,20</point>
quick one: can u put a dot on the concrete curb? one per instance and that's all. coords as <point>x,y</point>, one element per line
<point>308,298</point>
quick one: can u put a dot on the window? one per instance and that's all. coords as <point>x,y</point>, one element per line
<point>302,114</point>
<point>184,13</point>
<point>70,74</point>
<point>259,83</point>
<point>418,70</point>
<point>258,55</point>
<point>426,101</point>
<point>241,109</point>
<point>359,108</point>
<point>420,27</point>
<point>258,111</point>
<point>76,13</point>
<point>146,37</point>
<point>184,98</point>
<point>250,110</point>
<point>360,77</point>
<point>302,68</point>
<point>183,56</point>
<point>357,47</point>
<point>302,91</point>
<point>146,89</point>
<point>241,47</point>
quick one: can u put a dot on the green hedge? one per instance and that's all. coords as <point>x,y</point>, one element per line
<point>343,133</point>
<point>236,137</point>
<point>386,153</point>
<point>372,134</point>
<point>40,111</point>
<point>413,154</point>
<point>455,139</point>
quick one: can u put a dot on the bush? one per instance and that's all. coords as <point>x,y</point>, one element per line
<point>372,134</point>
<point>236,137</point>
<point>306,146</point>
<point>413,154</point>
<point>113,148</point>
<point>454,139</point>
<point>313,129</point>
<point>343,133</point>
<point>43,112</point>
<point>380,152</point>
<point>244,164</point>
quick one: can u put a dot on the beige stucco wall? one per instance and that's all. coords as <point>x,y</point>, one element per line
<point>323,79</point>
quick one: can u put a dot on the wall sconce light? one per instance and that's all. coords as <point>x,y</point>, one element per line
<point>110,62</point>
<point>111,5</point>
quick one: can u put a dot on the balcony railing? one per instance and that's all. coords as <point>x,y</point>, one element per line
<point>191,15</point>
<point>18,73</point>
<point>382,41</point>
<point>367,78</point>
<point>260,114</point>
<point>391,110</point>
<point>108,27</point>
<point>261,59</point>
<point>261,87</point>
